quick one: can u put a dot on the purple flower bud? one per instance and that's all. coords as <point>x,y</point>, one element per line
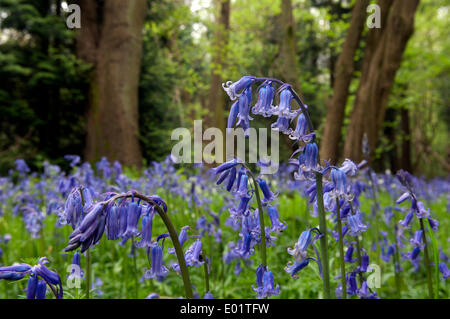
<point>444,270</point>
<point>275,221</point>
<point>294,268</point>
<point>268,195</point>
<point>31,289</point>
<point>407,221</point>
<point>349,255</point>
<point>356,226</point>
<point>41,289</point>
<point>232,88</point>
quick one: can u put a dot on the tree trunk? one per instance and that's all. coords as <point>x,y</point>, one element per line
<point>287,60</point>
<point>216,94</point>
<point>406,141</point>
<point>217,98</point>
<point>343,72</point>
<point>378,77</point>
<point>110,39</point>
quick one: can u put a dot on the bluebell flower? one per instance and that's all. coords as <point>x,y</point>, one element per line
<point>284,108</point>
<point>246,247</point>
<point>266,286</point>
<point>265,98</point>
<point>90,229</point>
<point>153,295</point>
<point>444,270</point>
<point>225,166</point>
<point>14,272</point>
<point>146,230</point>
<point>242,190</point>
<point>158,270</point>
<point>19,271</point>
<point>434,224</point>
<point>268,195</point>
<point>233,88</point>
<point>415,253</point>
<point>310,157</point>
<point>407,221</point>
<point>339,182</point>
<point>364,263</point>
<point>208,295</point>
<point>301,130</point>
<point>76,271</point>
<point>349,167</point>
<point>293,268</point>
<point>352,286</point>
<point>182,238</point>
<point>133,214</point>
<point>123,217</point>
<point>41,289</point>
<point>244,117</point>
<point>31,288</point>
<point>231,178</point>
<point>282,125</point>
<point>386,255</point>
<point>356,226</point>
<point>112,223</point>
<point>242,209</point>
<point>192,254</point>
<point>304,241</point>
<point>364,292</point>
<point>21,166</point>
<point>234,111</point>
<point>349,255</point>
<point>277,225</point>
<point>417,239</point>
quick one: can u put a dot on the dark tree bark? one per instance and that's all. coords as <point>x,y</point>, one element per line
<point>216,94</point>
<point>217,97</point>
<point>406,141</point>
<point>287,58</point>
<point>378,77</point>
<point>343,72</point>
<point>110,39</point>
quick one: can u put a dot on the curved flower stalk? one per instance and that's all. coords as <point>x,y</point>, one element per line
<point>39,278</point>
<point>119,218</point>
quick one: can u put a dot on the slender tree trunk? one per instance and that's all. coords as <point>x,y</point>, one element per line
<point>376,83</point>
<point>342,77</point>
<point>287,59</point>
<point>217,98</point>
<point>406,141</point>
<point>110,39</point>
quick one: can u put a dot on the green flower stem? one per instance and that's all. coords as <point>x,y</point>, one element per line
<point>88,272</point>
<point>397,263</point>
<point>205,268</point>
<point>88,255</point>
<point>427,260</point>
<point>323,239</point>
<point>261,221</point>
<point>135,271</point>
<point>341,251</point>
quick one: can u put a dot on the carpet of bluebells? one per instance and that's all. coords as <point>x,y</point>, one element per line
<point>225,232</point>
